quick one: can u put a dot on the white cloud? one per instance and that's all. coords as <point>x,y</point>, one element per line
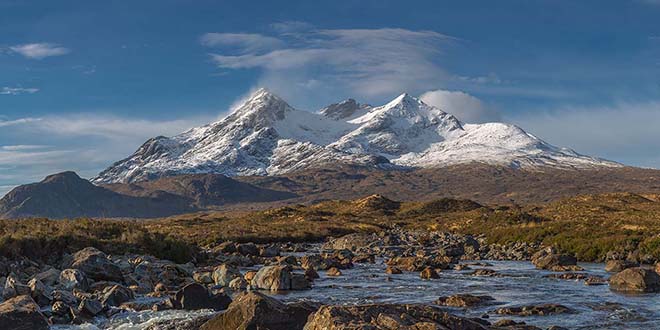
<point>40,50</point>
<point>247,42</point>
<point>291,26</point>
<point>17,90</point>
<point>464,106</point>
<point>359,62</point>
<point>84,143</point>
<point>626,131</point>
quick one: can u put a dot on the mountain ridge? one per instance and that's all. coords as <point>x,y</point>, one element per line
<point>266,136</point>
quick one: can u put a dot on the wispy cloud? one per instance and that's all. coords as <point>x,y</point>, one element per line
<point>246,42</point>
<point>624,131</point>
<point>464,106</point>
<point>364,62</point>
<point>17,90</point>
<point>40,50</point>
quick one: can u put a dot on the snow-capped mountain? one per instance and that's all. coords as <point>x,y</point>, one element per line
<point>265,136</point>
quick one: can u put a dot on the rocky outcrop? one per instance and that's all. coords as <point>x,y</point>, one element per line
<point>388,317</point>
<point>635,280</point>
<point>96,265</point>
<point>254,310</point>
<point>540,310</point>
<point>550,259</point>
<point>463,300</point>
<point>22,313</point>
<point>615,266</point>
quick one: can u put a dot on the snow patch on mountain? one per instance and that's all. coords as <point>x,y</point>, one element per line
<point>265,136</point>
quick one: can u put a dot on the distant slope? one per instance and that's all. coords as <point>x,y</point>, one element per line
<point>66,195</point>
<point>205,190</point>
<point>479,182</point>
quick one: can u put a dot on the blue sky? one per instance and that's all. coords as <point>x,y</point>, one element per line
<point>84,83</point>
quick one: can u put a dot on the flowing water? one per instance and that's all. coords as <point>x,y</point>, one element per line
<point>595,307</point>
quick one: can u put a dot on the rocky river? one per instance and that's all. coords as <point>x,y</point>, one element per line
<point>396,281</point>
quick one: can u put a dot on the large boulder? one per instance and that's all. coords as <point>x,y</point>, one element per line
<point>48,277</point>
<point>96,265</point>
<point>22,313</point>
<point>550,259</point>
<point>279,278</point>
<point>254,310</point>
<point>635,280</point>
<point>224,274</point>
<point>387,316</point>
<point>116,295</point>
<point>195,296</point>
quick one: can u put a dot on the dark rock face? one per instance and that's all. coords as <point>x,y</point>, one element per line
<point>254,310</point>
<point>387,317</point>
<point>544,309</point>
<point>96,265</point>
<point>22,313</point>
<point>195,296</point>
<point>66,195</point>
<point>635,280</point>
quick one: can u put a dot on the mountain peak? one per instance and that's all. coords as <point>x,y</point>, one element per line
<point>263,103</point>
<point>68,176</point>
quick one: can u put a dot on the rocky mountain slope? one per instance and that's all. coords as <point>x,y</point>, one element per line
<point>66,195</point>
<point>266,136</point>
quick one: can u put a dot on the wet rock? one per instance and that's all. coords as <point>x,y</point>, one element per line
<point>311,274</point>
<point>238,284</point>
<point>392,270</point>
<point>224,274</point>
<point>96,265</point>
<point>484,272</point>
<point>65,297</point>
<point>249,275</point>
<point>13,287</point>
<point>269,251</point>
<point>540,310</point>
<point>73,279</point>
<point>364,259</point>
<point>195,296</point>
<point>615,266</point>
<point>203,277</point>
<point>635,280</point>
<point>49,277</point>
<point>417,264</point>
<point>595,280</point>
<point>387,316</point>
<point>428,273</point>
<point>273,278</point>
<point>90,307</point>
<point>248,249</point>
<point>333,272</point>
<point>513,325</point>
<point>116,295</point>
<point>550,259</point>
<point>254,310</point>
<point>22,313</point>
<point>351,242</point>
<point>463,300</point>
<point>40,292</point>
<point>189,323</point>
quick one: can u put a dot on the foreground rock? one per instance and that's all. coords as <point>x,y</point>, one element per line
<point>195,296</point>
<point>387,317</point>
<point>463,300</point>
<point>22,313</point>
<point>254,310</point>
<point>635,280</point>
<point>550,259</point>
